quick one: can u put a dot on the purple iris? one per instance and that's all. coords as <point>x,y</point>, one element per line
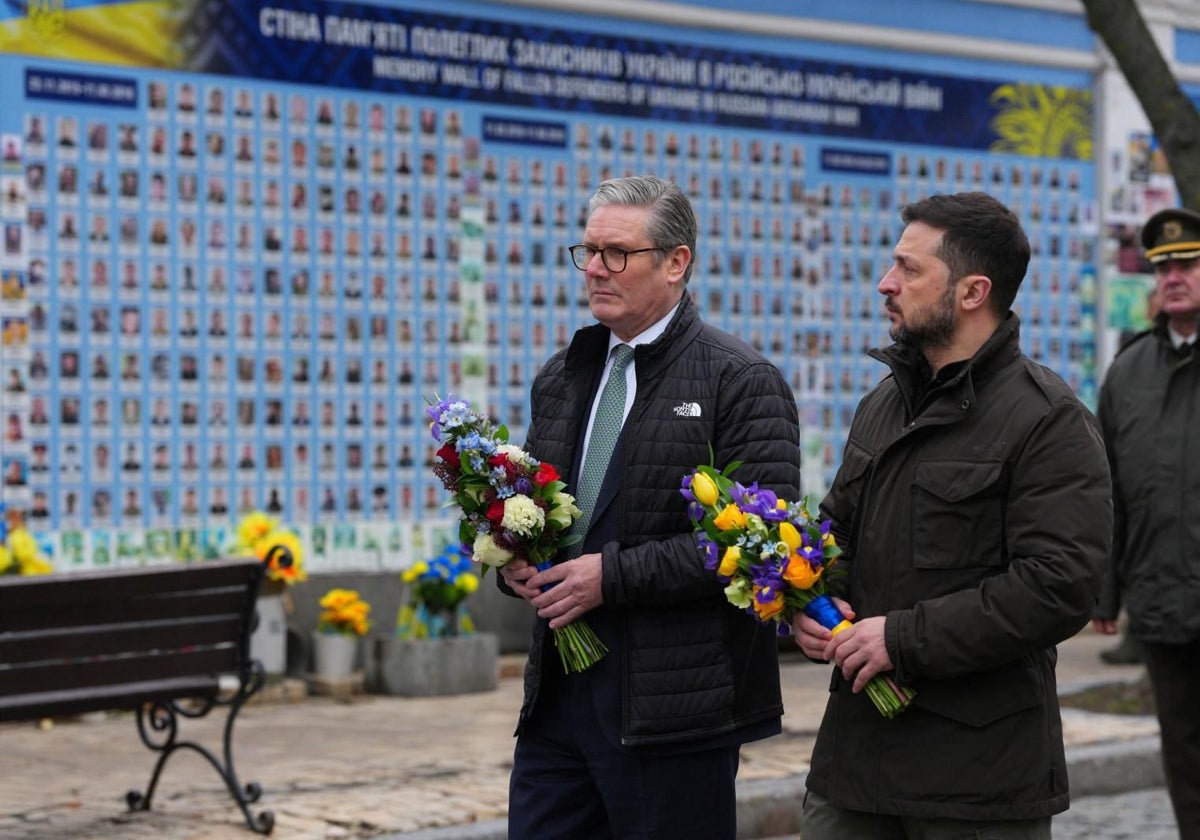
<point>435,412</point>
<point>685,487</point>
<point>768,577</point>
<point>710,551</point>
<point>758,501</point>
<point>766,593</point>
<point>741,494</point>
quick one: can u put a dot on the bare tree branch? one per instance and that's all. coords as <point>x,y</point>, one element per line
<point>1173,118</point>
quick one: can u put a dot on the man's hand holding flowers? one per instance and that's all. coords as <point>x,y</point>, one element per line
<point>571,588</point>
<point>859,650</point>
<point>516,573</point>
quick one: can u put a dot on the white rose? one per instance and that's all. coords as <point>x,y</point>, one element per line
<point>485,550</point>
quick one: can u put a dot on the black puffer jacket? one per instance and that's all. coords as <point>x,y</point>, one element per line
<point>1150,413</point>
<point>976,518</point>
<point>687,665</point>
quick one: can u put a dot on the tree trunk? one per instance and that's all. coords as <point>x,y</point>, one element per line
<point>1173,118</point>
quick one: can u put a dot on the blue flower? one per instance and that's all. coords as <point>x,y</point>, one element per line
<point>471,440</point>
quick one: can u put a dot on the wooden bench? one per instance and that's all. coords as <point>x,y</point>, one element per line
<point>166,642</point>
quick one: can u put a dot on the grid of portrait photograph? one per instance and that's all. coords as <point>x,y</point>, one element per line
<point>239,296</point>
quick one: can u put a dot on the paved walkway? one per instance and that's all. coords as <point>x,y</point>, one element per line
<point>431,767</point>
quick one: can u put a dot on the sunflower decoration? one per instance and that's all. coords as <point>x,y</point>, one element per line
<point>278,547</point>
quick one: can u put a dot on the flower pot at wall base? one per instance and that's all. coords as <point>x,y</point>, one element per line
<point>268,643</point>
<point>334,654</point>
<point>433,667</point>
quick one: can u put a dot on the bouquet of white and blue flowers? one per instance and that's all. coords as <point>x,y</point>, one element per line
<point>512,505</point>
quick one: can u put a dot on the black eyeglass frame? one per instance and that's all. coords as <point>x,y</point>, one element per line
<point>590,252</point>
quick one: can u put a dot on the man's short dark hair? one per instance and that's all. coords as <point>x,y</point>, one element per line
<point>982,236</point>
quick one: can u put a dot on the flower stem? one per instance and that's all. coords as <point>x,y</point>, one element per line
<point>889,698</point>
<point>579,648</point>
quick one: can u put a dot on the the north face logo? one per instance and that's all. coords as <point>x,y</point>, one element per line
<point>687,410</point>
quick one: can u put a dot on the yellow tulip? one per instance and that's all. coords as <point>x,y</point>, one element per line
<point>730,517</point>
<point>704,489</point>
<point>729,562</point>
<point>789,534</point>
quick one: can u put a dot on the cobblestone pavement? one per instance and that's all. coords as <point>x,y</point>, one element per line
<point>1139,815</point>
<point>379,766</point>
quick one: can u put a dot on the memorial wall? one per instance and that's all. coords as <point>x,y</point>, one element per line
<point>245,242</point>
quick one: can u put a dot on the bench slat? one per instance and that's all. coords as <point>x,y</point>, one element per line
<point>104,697</point>
<point>87,674</point>
<point>86,587</point>
<point>118,608</point>
<point>129,637</point>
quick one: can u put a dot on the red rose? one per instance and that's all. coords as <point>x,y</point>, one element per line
<point>449,454</point>
<point>545,474</point>
<point>495,512</point>
<point>498,460</point>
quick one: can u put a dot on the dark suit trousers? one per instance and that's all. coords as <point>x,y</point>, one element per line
<point>1175,675</point>
<point>570,780</point>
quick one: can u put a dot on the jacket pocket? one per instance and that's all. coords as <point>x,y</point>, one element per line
<point>982,698</point>
<point>958,514</point>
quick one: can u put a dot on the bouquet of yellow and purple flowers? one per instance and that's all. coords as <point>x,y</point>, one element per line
<point>512,505</point>
<point>775,557</point>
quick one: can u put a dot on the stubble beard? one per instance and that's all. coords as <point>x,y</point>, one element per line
<point>935,331</point>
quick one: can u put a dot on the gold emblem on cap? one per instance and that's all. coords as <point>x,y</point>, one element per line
<point>1172,230</point>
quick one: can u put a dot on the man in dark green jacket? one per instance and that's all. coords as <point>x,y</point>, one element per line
<point>973,503</point>
<point>1149,410</point>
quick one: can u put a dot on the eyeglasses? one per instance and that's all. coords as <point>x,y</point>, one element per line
<point>614,259</point>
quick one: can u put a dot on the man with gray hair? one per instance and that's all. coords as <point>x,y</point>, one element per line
<point>645,743</point>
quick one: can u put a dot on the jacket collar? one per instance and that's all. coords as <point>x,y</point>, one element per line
<point>589,347</point>
<point>911,371</point>
<point>1161,331</point>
